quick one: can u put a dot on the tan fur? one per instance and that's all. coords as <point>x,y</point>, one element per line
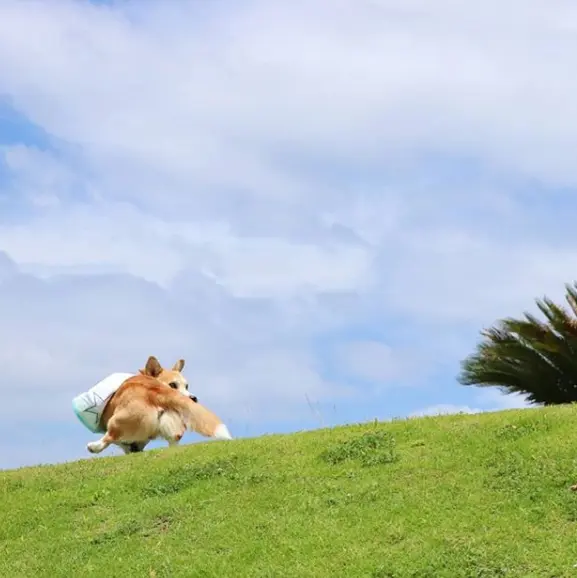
<point>151,405</point>
<point>167,376</point>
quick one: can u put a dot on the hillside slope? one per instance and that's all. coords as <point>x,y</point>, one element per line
<point>457,496</point>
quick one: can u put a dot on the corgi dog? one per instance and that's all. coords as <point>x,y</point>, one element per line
<point>154,404</point>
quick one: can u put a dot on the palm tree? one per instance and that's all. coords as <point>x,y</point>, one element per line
<point>529,356</point>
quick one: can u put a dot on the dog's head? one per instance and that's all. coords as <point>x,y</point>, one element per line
<point>171,377</point>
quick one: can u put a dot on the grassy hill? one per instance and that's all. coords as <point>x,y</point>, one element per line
<point>457,496</point>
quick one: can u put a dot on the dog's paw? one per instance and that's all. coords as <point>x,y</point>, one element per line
<point>93,447</point>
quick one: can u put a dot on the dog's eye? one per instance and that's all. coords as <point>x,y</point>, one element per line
<point>173,384</point>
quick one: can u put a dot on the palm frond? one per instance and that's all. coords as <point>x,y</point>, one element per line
<point>531,356</point>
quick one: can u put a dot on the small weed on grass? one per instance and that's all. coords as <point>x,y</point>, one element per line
<point>369,449</point>
<point>183,477</point>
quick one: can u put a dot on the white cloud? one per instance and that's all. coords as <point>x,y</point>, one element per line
<point>211,126</point>
<point>443,409</point>
<point>491,400</point>
<point>474,279</point>
<point>373,361</point>
<point>262,267</point>
<point>99,236</point>
<point>495,399</point>
<point>353,79</point>
<point>63,334</point>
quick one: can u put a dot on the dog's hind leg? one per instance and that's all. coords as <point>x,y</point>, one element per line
<point>113,435</point>
<point>101,444</point>
<point>129,429</point>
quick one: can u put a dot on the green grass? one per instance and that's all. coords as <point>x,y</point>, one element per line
<point>458,496</point>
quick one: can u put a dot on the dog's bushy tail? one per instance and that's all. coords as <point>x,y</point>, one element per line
<point>196,417</point>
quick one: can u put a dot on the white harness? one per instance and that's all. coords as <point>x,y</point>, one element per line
<point>88,406</point>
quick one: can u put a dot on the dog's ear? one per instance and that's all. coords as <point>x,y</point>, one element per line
<point>178,365</point>
<point>153,367</point>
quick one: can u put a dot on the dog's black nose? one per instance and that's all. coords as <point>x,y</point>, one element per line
<point>194,398</point>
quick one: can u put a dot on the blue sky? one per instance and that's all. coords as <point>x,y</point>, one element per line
<point>317,204</point>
